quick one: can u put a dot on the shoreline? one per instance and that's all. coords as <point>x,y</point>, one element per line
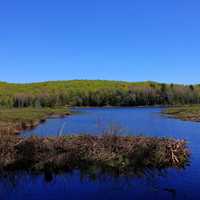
<point>145,106</point>
<point>18,125</point>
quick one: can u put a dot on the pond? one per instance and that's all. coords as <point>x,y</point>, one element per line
<point>170,184</point>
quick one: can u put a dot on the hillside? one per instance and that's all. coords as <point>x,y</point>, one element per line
<point>96,93</point>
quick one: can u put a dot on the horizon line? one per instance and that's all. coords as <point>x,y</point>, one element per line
<point>108,80</point>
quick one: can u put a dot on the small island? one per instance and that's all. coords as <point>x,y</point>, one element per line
<point>121,154</point>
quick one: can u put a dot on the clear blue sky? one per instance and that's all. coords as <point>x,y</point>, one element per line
<point>131,40</point>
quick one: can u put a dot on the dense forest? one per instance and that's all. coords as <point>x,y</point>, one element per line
<point>96,93</point>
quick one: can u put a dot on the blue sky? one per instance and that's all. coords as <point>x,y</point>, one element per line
<point>133,40</point>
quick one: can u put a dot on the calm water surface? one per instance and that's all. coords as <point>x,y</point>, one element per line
<point>171,184</point>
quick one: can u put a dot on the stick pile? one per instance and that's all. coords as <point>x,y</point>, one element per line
<point>121,153</point>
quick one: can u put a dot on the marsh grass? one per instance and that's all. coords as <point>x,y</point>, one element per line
<point>188,112</point>
<point>12,121</point>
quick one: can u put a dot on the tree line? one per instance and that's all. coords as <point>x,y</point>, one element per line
<point>96,93</point>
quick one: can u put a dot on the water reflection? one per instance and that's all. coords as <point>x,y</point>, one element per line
<point>84,184</point>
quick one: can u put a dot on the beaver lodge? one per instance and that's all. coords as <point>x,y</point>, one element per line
<point>122,154</point>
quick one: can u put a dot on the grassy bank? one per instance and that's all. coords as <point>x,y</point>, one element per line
<point>14,120</point>
<point>189,113</point>
<point>123,154</point>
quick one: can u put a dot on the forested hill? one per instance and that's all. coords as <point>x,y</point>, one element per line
<point>96,93</point>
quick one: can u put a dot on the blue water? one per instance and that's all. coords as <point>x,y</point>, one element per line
<point>171,184</point>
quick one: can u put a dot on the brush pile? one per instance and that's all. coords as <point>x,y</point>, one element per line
<point>121,153</point>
